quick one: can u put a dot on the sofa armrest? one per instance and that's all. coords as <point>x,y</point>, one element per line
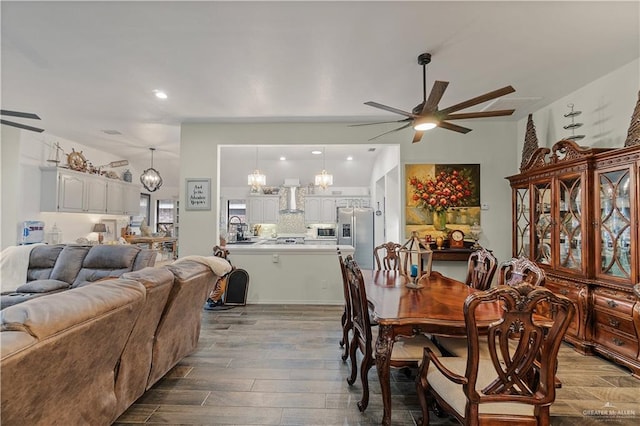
<point>42,286</point>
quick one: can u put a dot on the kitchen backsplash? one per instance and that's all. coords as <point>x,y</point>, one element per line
<point>291,223</point>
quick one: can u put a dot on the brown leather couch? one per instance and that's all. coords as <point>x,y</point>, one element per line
<point>54,268</point>
<point>84,355</point>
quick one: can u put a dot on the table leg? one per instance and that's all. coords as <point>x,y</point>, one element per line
<point>384,347</point>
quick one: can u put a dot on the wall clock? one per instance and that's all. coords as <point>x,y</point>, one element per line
<point>76,161</point>
<point>456,239</point>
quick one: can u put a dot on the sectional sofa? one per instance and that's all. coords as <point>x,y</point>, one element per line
<point>84,355</point>
<point>54,268</point>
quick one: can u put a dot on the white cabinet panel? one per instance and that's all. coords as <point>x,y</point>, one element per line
<point>263,209</point>
<point>65,190</point>
<point>320,209</point>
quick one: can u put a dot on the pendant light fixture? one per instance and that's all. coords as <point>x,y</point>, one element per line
<point>324,179</point>
<point>150,178</point>
<point>256,179</point>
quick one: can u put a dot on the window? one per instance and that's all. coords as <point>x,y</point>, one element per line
<point>165,214</point>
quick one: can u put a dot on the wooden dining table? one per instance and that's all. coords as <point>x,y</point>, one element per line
<point>436,307</point>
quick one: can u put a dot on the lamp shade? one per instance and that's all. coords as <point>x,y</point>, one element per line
<point>99,227</point>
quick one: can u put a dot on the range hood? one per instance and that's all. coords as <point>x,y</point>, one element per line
<point>291,198</point>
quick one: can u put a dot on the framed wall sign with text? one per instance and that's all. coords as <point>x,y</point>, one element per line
<point>198,195</point>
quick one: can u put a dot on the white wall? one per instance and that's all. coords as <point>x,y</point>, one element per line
<point>606,104</point>
<point>23,154</point>
<point>492,144</point>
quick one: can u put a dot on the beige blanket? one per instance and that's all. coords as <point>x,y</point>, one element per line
<point>14,262</point>
<point>218,265</point>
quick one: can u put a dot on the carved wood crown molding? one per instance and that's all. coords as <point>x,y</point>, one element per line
<point>633,136</point>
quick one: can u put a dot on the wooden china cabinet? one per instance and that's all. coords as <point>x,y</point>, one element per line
<point>575,213</point>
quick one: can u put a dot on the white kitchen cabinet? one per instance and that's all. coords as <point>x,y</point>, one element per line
<point>263,209</point>
<point>123,198</point>
<point>319,209</point>
<point>63,190</point>
<point>115,197</point>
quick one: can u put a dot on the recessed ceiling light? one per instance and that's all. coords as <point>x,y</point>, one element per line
<point>160,94</point>
<point>349,158</point>
<point>283,158</point>
<point>316,152</point>
<point>111,132</point>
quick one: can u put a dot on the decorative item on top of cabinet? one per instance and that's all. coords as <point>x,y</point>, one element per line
<point>573,125</point>
<point>576,213</point>
<point>633,135</point>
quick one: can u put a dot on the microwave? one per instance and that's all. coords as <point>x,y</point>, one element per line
<point>326,232</point>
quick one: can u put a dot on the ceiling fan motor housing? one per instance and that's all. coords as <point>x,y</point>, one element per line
<point>424,58</point>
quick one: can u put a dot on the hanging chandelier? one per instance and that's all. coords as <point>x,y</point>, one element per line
<point>324,179</point>
<point>256,179</point>
<point>150,178</point>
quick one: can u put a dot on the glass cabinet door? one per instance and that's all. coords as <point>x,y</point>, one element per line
<point>615,227</point>
<point>570,222</point>
<point>543,222</point>
<point>522,225</point>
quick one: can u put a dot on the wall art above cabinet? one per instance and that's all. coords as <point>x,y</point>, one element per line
<point>63,190</point>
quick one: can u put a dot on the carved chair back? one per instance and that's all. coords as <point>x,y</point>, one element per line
<point>523,350</point>
<point>481,268</point>
<point>518,270</point>
<point>347,315</point>
<point>387,256</point>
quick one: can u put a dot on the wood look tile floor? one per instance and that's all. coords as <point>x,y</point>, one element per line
<point>280,365</point>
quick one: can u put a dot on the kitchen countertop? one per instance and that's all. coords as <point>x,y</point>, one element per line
<point>266,246</point>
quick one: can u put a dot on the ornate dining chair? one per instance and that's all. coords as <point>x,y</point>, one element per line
<point>481,268</point>
<point>406,352</point>
<point>347,322</point>
<point>517,383</point>
<point>520,269</point>
<point>389,252</point>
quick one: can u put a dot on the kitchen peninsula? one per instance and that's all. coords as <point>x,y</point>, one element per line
<point>291,273</point>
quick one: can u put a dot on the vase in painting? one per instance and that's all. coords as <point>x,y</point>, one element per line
<point>440,220</point>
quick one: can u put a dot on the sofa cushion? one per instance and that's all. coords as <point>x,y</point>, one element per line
<point>42,259</point>
<point>42,286</point>
<point>69,263</point>
<point>145,258</point>
<point>106,261</point>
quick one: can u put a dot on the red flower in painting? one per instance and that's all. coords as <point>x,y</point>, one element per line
<point>451,188</point>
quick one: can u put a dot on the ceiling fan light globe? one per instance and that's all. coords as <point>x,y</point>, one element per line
<point>422,126</point>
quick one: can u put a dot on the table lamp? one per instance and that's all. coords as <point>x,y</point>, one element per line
<point>100,228</point>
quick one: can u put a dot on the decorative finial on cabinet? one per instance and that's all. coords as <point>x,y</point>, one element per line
<point>530,142</point>
<point>633,136</point>
<point>532,155</point>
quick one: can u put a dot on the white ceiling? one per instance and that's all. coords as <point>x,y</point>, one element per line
<point>86,67</point>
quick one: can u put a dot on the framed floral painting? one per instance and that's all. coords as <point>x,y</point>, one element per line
<point>441,198</point>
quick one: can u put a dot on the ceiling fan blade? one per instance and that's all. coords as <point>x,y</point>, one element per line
<point>379,122</point>
<point>417,137</point>
<point>437,91</point>
<point>481,114</point>
<point>391,131</point>
<point>453,127</point>
<point>21,126</point>
<point>19,114</point>
<point>479,99</point>
<point>390,109</point>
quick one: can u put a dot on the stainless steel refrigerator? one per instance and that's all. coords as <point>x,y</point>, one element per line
<point>355,228</point>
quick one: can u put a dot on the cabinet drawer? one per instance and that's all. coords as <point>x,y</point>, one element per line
<point>616,322</point>
<point>571,293</point>
<point>617,342</point>
<point>615,300</point>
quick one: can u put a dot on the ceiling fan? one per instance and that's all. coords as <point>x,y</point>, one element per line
<point>426,115</point>
<point>20,115</point>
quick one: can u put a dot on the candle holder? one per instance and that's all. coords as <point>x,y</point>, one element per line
<point>440,243</point>
<point>475,230</point>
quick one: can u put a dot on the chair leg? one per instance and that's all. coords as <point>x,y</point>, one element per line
<point>354,362</point>
<point>343,321</point>
<point>367,363</point>
<point>421,389</point>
